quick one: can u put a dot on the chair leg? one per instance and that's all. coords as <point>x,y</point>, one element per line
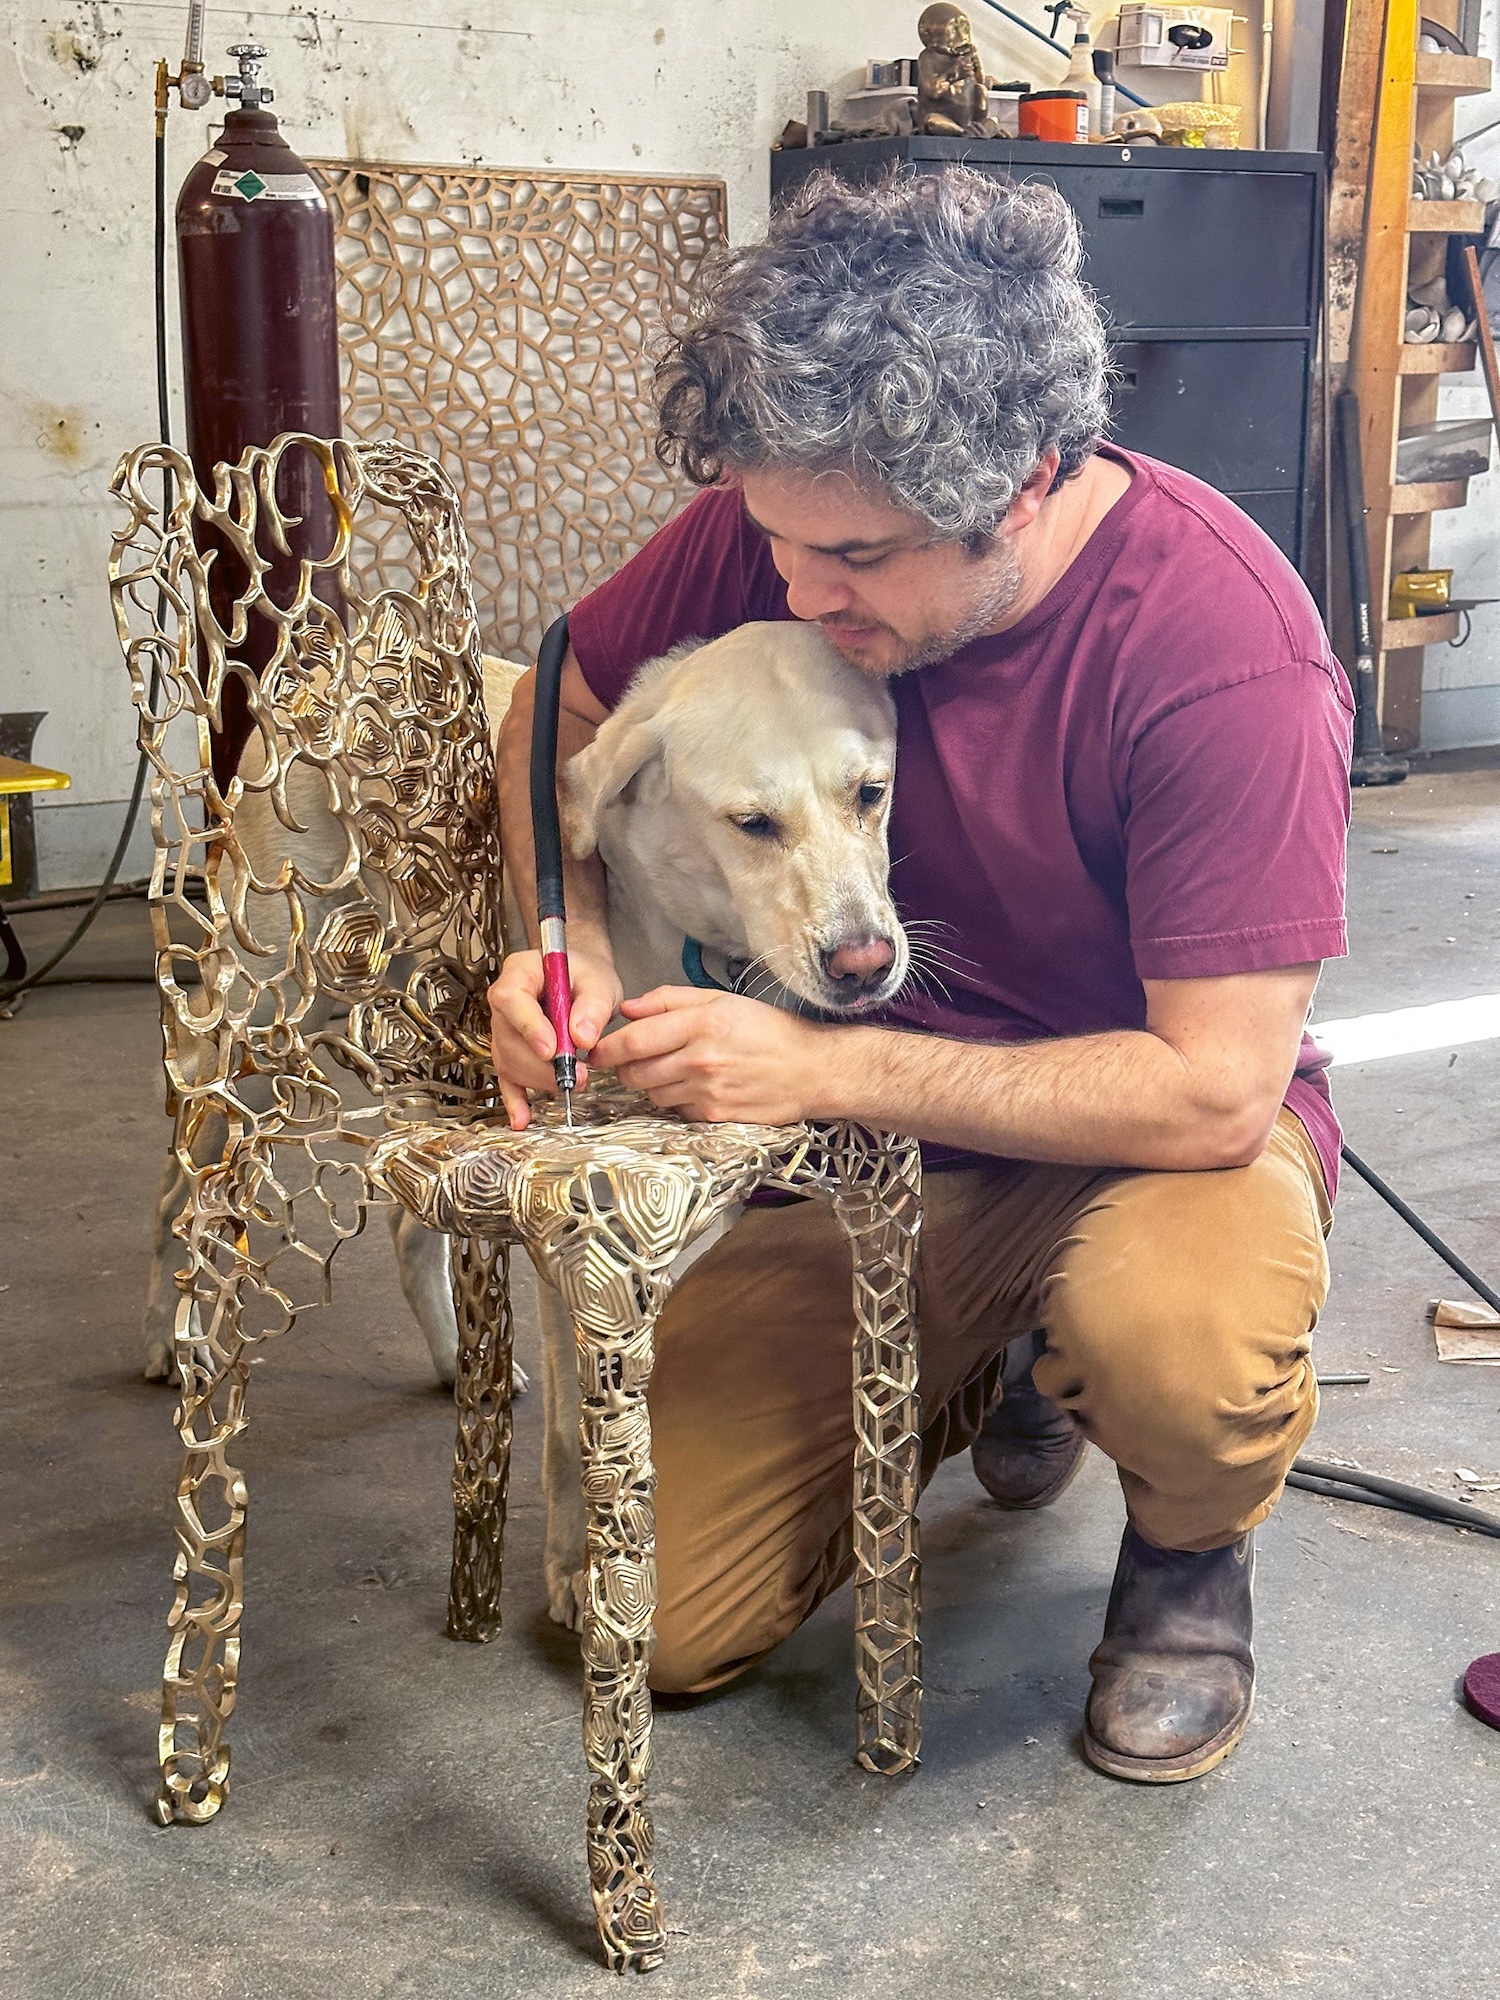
<point>619,1484</point>
<point>879,1205</point>
<point>203,1654</point>
<point>481,1457</point>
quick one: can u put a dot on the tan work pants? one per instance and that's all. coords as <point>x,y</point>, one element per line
<point>1178,1310</point>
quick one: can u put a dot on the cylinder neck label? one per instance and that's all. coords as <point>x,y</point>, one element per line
<point>251,186</point>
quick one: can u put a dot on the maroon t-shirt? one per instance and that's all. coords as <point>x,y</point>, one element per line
<point>1146,778</point>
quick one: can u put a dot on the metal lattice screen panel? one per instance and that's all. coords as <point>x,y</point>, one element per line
<point>505,324</point>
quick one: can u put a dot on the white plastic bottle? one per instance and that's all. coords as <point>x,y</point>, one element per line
<point>1080,74</point>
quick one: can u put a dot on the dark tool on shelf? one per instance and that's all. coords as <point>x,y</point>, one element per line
<point>546,833</point>
<point>1372,764</point>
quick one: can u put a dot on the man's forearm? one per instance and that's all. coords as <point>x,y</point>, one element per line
<point>588,903</point>
<point>1127,1099</point>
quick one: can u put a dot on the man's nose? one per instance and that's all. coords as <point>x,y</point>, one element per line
<point>856,964</point>
<point>814,588</point>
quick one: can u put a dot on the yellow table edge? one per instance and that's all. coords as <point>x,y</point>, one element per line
<point>18,777</point>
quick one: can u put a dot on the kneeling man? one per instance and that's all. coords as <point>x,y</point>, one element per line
<point>1118,824</point>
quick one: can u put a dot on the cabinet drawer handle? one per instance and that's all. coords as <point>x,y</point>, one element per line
<point>1111,205</point>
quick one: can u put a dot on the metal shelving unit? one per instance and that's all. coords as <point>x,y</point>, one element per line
<point>1404,242</point>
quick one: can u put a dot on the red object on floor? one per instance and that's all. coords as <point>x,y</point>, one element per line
<point>1482,1689</point>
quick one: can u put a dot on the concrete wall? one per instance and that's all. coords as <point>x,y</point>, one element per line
<point>669,85</point>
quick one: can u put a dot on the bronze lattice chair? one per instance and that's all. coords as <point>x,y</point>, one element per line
<point>354,865</point>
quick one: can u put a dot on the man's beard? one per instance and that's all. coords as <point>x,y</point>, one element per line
<point>1002,587</point>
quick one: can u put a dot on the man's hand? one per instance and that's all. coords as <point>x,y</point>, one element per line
<point>717,1056</point>
<point>521,1035</point>
<point>1199,1088</point>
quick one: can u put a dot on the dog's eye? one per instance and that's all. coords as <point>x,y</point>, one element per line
<point>760,826</point>
<point>871,794</point>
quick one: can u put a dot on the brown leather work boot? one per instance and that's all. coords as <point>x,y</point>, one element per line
<point>1174,1677</point>
<point>1029,1449</point>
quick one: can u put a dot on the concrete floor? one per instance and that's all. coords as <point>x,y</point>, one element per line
<point>407,1813</point>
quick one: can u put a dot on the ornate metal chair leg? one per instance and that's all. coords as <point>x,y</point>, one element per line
<point>604,1209</point>
<point>879,1206</point>
<point>481,1457</point>
<point>203,1654</point>
<point>614,1367</point>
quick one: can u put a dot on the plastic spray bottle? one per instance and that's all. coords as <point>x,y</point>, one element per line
<point>1080,74</point>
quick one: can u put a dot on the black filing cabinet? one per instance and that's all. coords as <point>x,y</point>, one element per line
<point>1206,264</point>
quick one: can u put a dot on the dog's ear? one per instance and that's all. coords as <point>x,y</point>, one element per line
<point>630,749</point>
<point>597,776</point>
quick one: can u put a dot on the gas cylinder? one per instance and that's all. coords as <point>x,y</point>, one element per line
<point>259,341</point>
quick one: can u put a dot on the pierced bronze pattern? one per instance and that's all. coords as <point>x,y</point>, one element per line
<point>481,1463</point>
<point>504,323</point>
<point>604,1209</point>
<point>369,740</point>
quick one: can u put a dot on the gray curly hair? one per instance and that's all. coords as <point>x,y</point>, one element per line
<point>928,335</point>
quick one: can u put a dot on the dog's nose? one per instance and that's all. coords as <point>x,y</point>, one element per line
<point>858,963</point>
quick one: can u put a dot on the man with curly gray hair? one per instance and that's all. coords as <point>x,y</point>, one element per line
<point>1120,804</point>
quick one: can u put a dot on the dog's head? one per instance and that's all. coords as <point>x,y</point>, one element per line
<point>748,781</point>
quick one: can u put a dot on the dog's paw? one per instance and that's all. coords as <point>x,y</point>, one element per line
<point>567,1592</point>
<point>160,1365</point>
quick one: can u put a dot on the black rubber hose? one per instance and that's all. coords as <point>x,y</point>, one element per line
<point>1342,1482</point>
<point>546,833</point>
<point>100,979</point>
<point>1429,1236</point>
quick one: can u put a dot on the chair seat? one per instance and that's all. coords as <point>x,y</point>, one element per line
<point>481,1177</point>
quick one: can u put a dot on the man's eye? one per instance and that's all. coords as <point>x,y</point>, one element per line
<point>760,826</point>
<point>863,562</point>
<point>871,794</point>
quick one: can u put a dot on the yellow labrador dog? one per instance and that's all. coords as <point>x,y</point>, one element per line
<point>739,797</point>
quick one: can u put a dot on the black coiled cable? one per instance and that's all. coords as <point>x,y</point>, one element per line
<point>546,832</point>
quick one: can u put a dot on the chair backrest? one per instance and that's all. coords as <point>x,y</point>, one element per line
<point>331,916</point>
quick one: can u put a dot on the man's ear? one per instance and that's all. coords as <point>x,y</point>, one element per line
<point>597,776</point>
<point>1033,490</point>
